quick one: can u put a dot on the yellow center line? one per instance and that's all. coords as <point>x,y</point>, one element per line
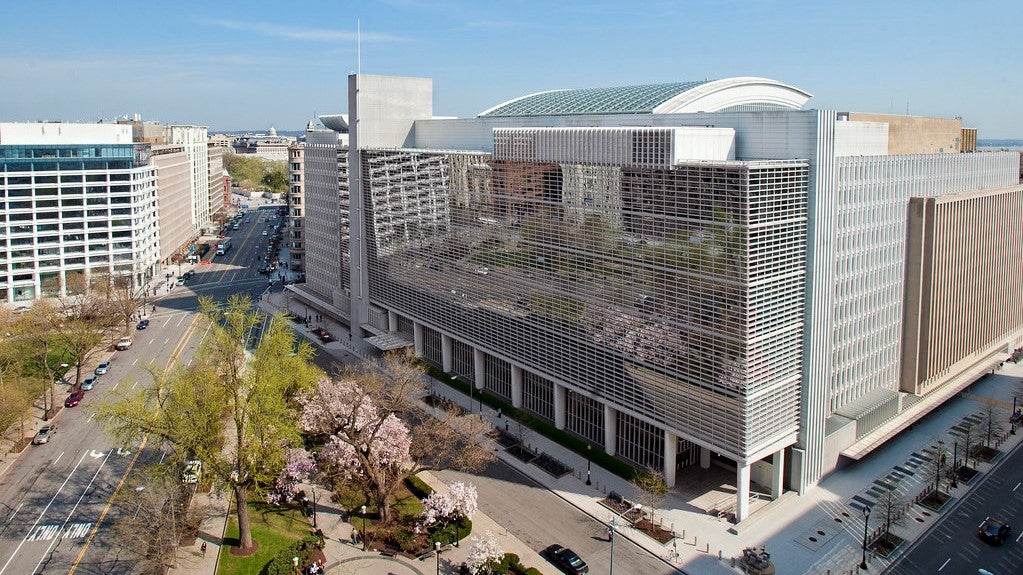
<point>180,347</point>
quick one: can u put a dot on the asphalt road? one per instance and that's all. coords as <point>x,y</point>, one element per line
<point>539,518</point>
<point>56,498</point>
<point>951,547</point>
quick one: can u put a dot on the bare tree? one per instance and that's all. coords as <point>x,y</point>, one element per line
<point>940,464</point>
<point>124,299</point>
<point>968,439</point>
<point>992,419</point>
<point>890,505</point>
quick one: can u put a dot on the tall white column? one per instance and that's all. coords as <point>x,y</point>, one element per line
<point>559,406</point>
<point>741,492</point>
<point>705,457</point>
<point>670,453</point>
<point>417,338</point>
<point>516,386</point>
<point>446,354</point>
<point>777,475</point>
<point>479,368</point>
<point>610,429</point>
<point>392,321</point>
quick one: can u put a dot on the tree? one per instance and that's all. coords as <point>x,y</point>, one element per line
<point>484,554</point>
<point>651,489</point>
<point>153,517</point>
<point>967,439</point>
<point>14,402</point>
<point>275,177</point>
<point>124,298</point>
<point>458,503</point>
<point>992,419</point>
<point>890,506</point>
<point>373,432</point>
<point>937,472</point>
<point>237,415</point>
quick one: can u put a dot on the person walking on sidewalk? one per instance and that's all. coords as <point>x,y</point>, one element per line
<point>203,549</point>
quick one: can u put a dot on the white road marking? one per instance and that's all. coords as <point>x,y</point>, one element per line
<point>69,515</point>
<point>1018,536</point>
<point>97,454</point>
<point>41,514</point>
<point>115,386</point>
<point>90,417</point>
<point>151,340</point>
<point>162,456</point>
<point>1017,486</point>
<point>166,341</point>
<point>15,512</point>
<point>58,458</point>
<point>134,384</point>
<point>134,362</point>
<point>945,563</point>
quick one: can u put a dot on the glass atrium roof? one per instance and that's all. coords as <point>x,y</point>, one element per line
<point>619,100</point>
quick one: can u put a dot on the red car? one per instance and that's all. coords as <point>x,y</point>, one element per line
<point>74,399</point>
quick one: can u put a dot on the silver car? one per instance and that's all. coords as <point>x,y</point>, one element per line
<point>43,435</point>
<point>102,368</point>
<point>89,382</point>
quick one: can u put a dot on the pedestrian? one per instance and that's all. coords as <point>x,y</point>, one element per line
<point>203,549</point>
<point>499,413</point>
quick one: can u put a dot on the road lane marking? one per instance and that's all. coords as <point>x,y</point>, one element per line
<point>166,341</point>
<point>1018,536</point>
<point>1017,486</point>
<point>72,512</point>
<point>87,420</point>
<point>135,362</point>
<point>115,386</point>
<point>945,563</point>
<point>41,514</point>
<point>106,509</point>
<point>16,510</point>
<point>134,385</point>
<point>58,458</point>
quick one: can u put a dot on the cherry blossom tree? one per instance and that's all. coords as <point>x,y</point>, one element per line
<point>375,434</point>
<point>299,465</point>
<point>484,553</point>
<point>458,503</point>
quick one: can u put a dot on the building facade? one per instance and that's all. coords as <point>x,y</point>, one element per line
<point>674,273</point>
<point>296,204</point>
<point>76,199</point>
<point>194,141</point>
<point>174,193</point>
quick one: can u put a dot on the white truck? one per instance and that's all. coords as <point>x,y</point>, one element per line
<point>224,246</point>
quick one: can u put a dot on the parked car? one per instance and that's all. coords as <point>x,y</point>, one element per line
<point>566,560</point>
<point>123,343</point>
<point>192,471</point>
<point>180,282</point>
<point>324,335</point>
<point>89,382</point>
<point>43,435</point>
<point>994,531</point>
<point>102,368</point>
<point>74,399</point>
<point>188,275</point>
<point>142,324</point>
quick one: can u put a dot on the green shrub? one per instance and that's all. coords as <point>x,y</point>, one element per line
<point>283,562</point>
<point>418,487</point>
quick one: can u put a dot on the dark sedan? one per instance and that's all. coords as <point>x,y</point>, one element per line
<point>74,399</point>
<point>143,324</point>
<point>566,559</point>
<point>994,531</point>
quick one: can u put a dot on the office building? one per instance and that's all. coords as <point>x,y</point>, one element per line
<point>679,274</point>
<point>194,141</point>
<point>74,199</point>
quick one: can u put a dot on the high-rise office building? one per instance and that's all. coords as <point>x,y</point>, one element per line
<point>74,198</point>
<point>676,273</point>
<point>194,140</point>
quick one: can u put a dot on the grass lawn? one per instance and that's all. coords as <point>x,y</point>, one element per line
<point>273,527</point>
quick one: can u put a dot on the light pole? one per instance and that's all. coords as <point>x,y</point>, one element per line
<point>866,520</point>
<point>955,463</point>
<point>611,534</point>
<point>314,508</point>
<point>363,527</point>
<point>1012,418</point>
<point>588,482</point>
<point>436,551</point>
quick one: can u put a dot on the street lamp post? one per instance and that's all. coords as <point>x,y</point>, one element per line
<point>955,464</point>
<point>314,507</point>
<point>866,520</point>
<point>363,527</point>
<point>1012,418</point>
<point>611,534</point>
<point>588,482</point>
<point>436,551</point>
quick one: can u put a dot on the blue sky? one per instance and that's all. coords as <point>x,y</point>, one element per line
<point>247,65</point>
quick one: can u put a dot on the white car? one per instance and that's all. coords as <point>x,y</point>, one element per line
<point>192,471</point>
<point>123,343</point>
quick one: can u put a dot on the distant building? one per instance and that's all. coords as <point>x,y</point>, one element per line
<point>296,203</point>
<point>194,141</point>
<point>74,198</point>
<point>267,146</point>
<point>674,273</point>
<point>174,192</point>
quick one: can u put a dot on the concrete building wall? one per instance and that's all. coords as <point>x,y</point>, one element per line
<point>174,197</point>
<point>861,139</point>
<point>964,284</point>
<point>917,134</point>
<point>218,193</point>
<point>326,196</point>
<point>194,140</point>
<point>296,206</point>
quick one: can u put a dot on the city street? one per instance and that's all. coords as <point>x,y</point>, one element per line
<point>952,545</point>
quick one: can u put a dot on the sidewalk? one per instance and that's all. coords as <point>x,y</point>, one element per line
<point>817,532</point>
